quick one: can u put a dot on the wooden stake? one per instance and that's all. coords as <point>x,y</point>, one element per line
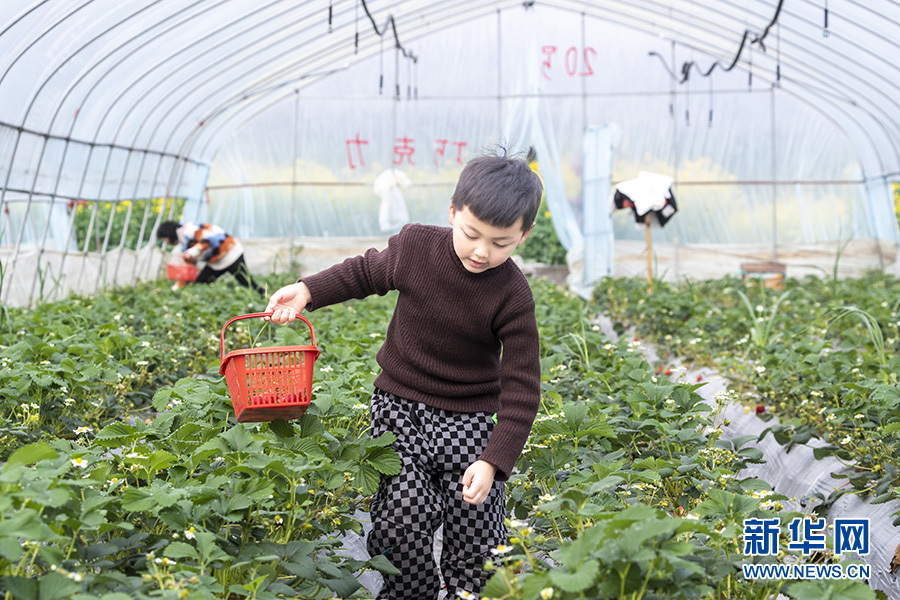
<point>649,253</point>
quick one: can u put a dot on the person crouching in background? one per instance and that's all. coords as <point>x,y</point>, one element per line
<point>210,244</point>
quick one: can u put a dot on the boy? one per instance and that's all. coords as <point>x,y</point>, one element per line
<point>206,242</point>
<point>460,302</point>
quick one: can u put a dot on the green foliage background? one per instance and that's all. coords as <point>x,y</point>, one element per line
<point>127,214</point>
<point>124,474</point>
<point>897,201</point>
<point>543,245</point>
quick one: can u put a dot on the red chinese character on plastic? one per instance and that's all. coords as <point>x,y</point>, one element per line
<point>403,148</point>
<point>459,150</point>
<point>549,51</point>
<point>439,151</point>
<point>359,144</point>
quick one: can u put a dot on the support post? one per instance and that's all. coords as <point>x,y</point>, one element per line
<point>294,179</point>
<point>649,252</point>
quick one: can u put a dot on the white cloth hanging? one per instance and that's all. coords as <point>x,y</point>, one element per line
<point>648,191</point>
<point>392,214</point>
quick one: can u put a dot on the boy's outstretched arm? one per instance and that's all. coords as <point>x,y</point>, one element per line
<point>477,481</point>
<point>288,302</point>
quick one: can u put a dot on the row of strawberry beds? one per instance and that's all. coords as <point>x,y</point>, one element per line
<point>821,354</point>
<point>74,365</point>
<point>128,477</point>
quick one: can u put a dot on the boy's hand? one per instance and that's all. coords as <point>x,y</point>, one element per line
<point>477,481</point>
<point>288,302</point>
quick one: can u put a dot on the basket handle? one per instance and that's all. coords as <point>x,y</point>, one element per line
<point>312,334</point>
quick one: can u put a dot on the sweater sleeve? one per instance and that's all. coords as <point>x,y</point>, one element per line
<point>357,277</point>
<point>520,389</point>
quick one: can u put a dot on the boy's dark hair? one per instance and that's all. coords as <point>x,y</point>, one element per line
<point>167,230</point>
<point>498,190</point>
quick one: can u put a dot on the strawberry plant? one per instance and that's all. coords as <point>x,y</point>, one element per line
<point>126,474</point>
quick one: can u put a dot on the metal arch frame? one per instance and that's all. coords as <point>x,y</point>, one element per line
<point>119,129</point>
<point>38,38</point>
<point>362,55</point>
<point>800,84</point>
<point>158,106</point>
<point>198,87</point>
<point>67,141</point>
<point>129,110</point>
<point>214,133</point>
<point>650,8</point>
<point>277,99</point>
<point>806,86</point>
<point>47,31</point>
<point>175,175</point>
<point>854,102</point>
<point>805,90</point>
<point>192,139</point>
<point>152,134</point>
<point>280,98</point>
<point>148,115</point>
<point>579,7</point>
<point>252,92</point>
<point>34,97</point>
<point>15,21</point>
<point>862,128</point>
<point>94,142</point>
<point>72,87</point>
<point>799,96</point>
<point>891,139</point>
<point>851,118</point>
<point>109,70</point>
<point>64,62</point>
<point>133,107</point>
<point>896,173</point>
<point>645,8</point>
<point>187,94</point>
<point>871,32</point>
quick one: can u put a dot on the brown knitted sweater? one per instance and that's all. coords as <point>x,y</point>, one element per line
<point>442,347</point>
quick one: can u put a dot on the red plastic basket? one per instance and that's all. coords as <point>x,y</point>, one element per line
<point>266,384</point>
<point>184,272</point>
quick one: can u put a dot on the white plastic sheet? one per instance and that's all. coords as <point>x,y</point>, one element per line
<point>274,119</point>
<point>392,213</point>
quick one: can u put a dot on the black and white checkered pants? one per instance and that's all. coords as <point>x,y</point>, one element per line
<point>436,447</point>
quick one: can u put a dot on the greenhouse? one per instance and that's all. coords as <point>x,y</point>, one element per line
<point>714,266</point>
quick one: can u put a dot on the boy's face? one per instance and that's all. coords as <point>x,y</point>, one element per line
<point>481,246</point>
